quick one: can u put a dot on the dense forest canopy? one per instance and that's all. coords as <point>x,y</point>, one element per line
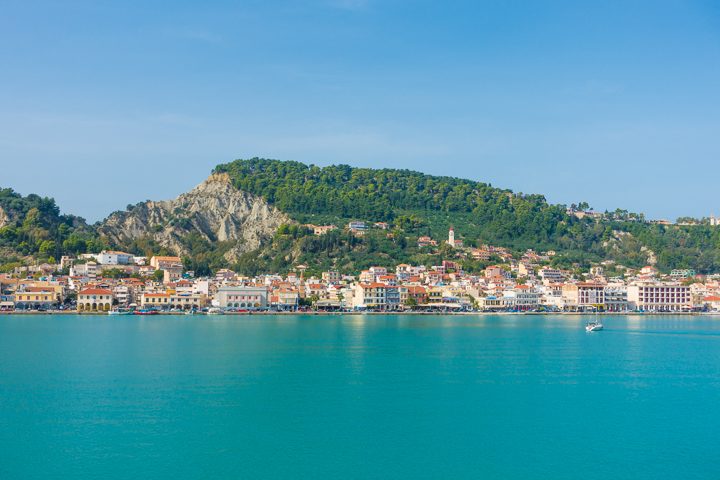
<point>342,193</point>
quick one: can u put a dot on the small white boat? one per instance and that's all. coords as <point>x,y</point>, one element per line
<point>120,312</point>
<point>593,327</point>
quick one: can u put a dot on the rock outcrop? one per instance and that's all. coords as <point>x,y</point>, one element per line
<point>3,217</point>
<point>215,210</point>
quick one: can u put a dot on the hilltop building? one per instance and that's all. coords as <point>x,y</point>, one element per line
<point>452,241</point>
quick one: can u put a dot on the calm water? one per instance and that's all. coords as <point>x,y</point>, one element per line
<point>359,397</point>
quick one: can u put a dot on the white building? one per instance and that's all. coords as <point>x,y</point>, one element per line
<point>170,301</point>
<point>357,227</point>
<point>616,298</point>
<point>550,275</point>
<point>89,270</point>
<point>370,295</point>
<point>659,297</point>
<point>584,295</point>
<point>451,237</point>
<point>110,257</point>
<point>526,297</point>
<point>244,296</point>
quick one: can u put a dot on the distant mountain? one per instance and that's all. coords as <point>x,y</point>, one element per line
<point>249,215</point>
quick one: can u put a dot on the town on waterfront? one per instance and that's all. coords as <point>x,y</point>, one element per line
<point>115,282</point>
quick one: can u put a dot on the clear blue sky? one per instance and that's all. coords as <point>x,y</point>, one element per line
<point>105,103</point>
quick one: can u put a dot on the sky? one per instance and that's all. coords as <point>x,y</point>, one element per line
<point>108,103</point>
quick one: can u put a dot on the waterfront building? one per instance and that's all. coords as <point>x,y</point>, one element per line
<point>370,295</point>
<point>34,298</point>
<point>94,300</point>
<point>286,300</point>
<point>584,295</point>
<point>7,302</point>
<point>526,297</point>
<point>244,296</point>
<point>415,292</point>
<point>712,303</point>
<point>313,289</point>
<point>392,297</point>
<point>435,294</point>
<point>172,301</point>
<point>495,303</point>
<point>659,297</point>
<point>616,298</point>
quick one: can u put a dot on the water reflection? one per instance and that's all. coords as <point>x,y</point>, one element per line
<point>357,347</point>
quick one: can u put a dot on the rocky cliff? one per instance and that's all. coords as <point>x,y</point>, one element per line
<point>215,210</point>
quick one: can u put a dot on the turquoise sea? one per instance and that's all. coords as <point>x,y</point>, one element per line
<point>359,397</point>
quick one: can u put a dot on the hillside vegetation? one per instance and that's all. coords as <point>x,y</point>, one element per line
<point>419,204</point>
<point>412,203</point>
<point>32,226</point>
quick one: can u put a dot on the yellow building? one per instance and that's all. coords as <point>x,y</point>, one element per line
<point>161,263</point>
<point>173,301</point>
<point>34,298</point>
<point>94,300</point>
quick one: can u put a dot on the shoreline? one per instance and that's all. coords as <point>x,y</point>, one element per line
<point>641,314</point>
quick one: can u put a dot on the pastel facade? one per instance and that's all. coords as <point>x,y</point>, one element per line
<point>94,300</point>
<point>659,297</point>
<point>172,301</point>
<point>248,297</point>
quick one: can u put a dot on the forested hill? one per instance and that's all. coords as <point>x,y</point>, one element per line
<point>229,220</point>
<point>32,226</point>
<point>408,198</point>
<point>424,204</point>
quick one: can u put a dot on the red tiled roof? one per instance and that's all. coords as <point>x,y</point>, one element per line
<point>95,291</point>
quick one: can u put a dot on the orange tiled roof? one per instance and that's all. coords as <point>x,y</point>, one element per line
<point>95,291</point>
